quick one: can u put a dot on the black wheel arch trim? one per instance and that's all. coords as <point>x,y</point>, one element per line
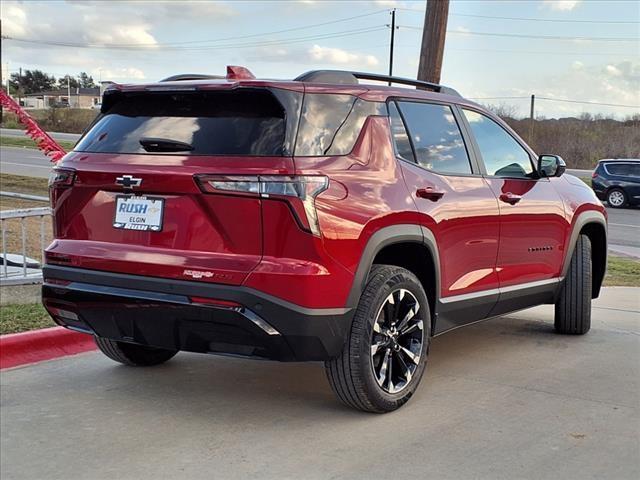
<point>590,217</point>
<point>386,236</point>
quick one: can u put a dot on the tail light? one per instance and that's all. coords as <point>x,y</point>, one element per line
<point>59,180</point>
<point>298,191</point>
<point>594,174</point>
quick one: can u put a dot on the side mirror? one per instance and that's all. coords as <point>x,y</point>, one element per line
<point>551,165</point>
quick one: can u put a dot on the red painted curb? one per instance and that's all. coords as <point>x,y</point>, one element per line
<point>37,345</point>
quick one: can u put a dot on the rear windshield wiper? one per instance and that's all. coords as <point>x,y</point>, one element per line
<point>152,144</point>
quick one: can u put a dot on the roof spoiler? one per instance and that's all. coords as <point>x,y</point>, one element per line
<point>190,76</point>
<point>351,78</point>
<point>234,72</point>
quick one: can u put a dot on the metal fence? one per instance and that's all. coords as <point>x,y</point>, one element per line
<point>18,269</point>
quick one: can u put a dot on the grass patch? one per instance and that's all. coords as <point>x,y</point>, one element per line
<point>20,318</point>
<point>586,180</point>
<point>20,184</point>
<point>622,272</point>
<point>8,141</point>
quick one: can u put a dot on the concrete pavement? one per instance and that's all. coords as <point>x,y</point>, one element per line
<point>502,399</point>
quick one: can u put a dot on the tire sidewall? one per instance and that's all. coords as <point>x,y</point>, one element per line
<point>624,198</point>
<point>399,278</point>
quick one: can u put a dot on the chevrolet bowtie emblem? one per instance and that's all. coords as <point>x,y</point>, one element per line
<point>127,181</point>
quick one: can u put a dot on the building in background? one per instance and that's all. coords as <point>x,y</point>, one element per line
<point>61,98</point>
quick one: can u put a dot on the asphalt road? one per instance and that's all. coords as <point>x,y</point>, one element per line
<point>11,132</point>
<point>24,161</point>
<point>624,225</point>
<point>502,399</point>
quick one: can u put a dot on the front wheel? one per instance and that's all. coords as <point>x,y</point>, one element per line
<point>573,308</point>
<point>385,355</point>
<point>132,354</point>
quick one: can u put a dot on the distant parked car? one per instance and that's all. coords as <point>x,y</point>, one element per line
<point>96,106</point>
<point>617,181</point>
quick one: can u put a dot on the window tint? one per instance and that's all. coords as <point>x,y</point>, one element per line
<point>436,137</point>
<point>347,134</point>
<point>250,122</point>
<point>399,134</point>
<point>322,116</point>
<point>502,155</point>
<point>626,169</point>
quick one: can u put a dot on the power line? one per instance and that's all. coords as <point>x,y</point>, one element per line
<point>496,98</point>
<point>172,44</point>
<point>543,37</point>
<point>558,100</point>
<point>531,19</point>
<point>610,54</point>
<point>588,103</point>
<point>164,48</point>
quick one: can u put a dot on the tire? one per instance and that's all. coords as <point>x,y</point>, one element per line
<point>616,198</point>
<point>133,355</point>
<point>355,374</point>
<point>573,307</point>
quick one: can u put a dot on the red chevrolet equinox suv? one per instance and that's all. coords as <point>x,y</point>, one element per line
<point>318,219</point>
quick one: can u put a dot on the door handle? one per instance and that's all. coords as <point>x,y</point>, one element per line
<point>510,198</point>
<point>429,193</point>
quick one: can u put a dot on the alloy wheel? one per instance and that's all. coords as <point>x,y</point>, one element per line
<point>616,198</point>
<point>397,341</point>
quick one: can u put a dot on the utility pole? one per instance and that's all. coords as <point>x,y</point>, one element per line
<point>531,118</point>
<point>19,85</point>
<point>393,34</point>
<point>433,35</point>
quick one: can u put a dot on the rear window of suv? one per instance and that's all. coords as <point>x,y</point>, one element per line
<point>251,122</point>
<point>247,122</point>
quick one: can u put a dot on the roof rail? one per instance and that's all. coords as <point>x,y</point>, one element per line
<point>351,78</point>
<point>190,76</point>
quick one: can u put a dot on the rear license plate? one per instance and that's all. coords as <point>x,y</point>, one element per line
<point>138,213</point>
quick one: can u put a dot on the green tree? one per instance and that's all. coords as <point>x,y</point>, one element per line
<point>31,81</point>
<point>68,80</point>
<point>85,80</point>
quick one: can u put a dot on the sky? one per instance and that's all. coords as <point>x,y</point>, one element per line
<point>578,50</point>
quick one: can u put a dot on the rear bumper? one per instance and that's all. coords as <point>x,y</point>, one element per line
<point>160,312</point>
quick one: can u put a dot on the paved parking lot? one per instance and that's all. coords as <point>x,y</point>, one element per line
<point>503,399</point>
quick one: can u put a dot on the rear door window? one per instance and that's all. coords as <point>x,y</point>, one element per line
<point>244,122</point>
<point>399,133</point>
<point>436,137</point>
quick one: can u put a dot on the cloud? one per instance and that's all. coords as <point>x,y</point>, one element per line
<point>616,83</point>
<point>128,73</point>
<point>561,5</point>
<point>338,56</point>
<point>14,21</point>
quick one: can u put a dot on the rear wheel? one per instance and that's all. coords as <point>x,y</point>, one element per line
<point>385,355</point>
<point>616,198</point>
<point>132,354</point>
<point>573,308</point>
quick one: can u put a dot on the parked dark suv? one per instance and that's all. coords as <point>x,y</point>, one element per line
<point>314,219</point>
<point>617,182</point>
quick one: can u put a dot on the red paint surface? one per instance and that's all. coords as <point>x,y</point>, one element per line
<point>484,243</point>
<point>29,347</point>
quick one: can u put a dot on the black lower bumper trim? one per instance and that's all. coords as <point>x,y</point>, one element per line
<point>158,312</point>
